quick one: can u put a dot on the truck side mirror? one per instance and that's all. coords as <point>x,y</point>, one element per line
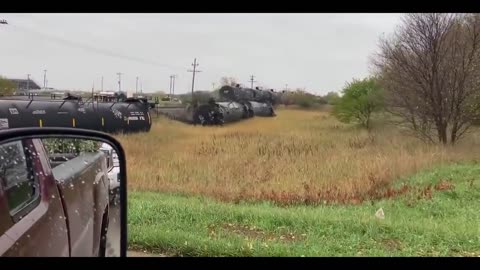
<point>58,196</point>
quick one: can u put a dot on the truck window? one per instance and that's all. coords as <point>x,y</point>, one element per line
<point>21,187</point>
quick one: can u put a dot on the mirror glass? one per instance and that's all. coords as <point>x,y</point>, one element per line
<point>59,196</point>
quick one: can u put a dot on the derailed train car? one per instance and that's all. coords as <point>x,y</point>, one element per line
<point>218,113</point>
<point>239,94</point>
<point>237,104</point>
<point>128,116</point>
<point>233,111</point>
<point>261,109</point>
<point>258,102</point>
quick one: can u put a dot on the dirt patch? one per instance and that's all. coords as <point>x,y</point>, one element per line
<point>444,185</point>
<point>253,232</point>
<point>467,254</point>
<point>133,253</point>
<point>425,192</point>
<point>332,195</point>
<point>391,244</point>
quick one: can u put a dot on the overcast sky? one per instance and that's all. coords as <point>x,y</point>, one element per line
<point>317,51</point>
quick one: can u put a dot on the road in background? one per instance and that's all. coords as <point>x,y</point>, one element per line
<point>114,231</point>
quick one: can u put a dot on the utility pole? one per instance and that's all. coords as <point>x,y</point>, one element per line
<point>102,83</point>
<point>44,79</point>
<point>213,86</point>
<point>252,81</point>
<point>119,81</point>
<point>136,86</point>
<point>28,82</point>
<point>170,88</point>
<point>141,87</point>
<point>172,85</point>
<point>195,64</point>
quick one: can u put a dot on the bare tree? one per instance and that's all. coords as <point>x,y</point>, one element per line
<point>430,70</point>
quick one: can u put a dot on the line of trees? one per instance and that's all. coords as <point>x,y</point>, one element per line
<point>7,88</point>
<point>301,98</point>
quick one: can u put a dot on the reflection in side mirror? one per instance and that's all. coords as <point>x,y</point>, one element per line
<point>60,196</point>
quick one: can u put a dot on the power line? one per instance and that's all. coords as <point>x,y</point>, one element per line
<point>195,64</point>
<point>105,52</point>
<point>93,49</point>
<point>101,51</point>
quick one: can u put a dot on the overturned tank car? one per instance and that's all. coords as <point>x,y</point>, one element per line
<point>218,113</point>
<point>258,102</point>
<point>261,109</point>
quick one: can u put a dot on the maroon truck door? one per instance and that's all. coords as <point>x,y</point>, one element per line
<point>5,222</point>
<point>30,200</point>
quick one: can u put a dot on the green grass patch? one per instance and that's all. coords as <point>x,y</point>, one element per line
<point>447,223</point>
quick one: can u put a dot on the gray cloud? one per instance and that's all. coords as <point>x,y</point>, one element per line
<point>316,51</point>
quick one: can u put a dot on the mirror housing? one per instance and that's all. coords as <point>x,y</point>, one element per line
<point>115,204</point>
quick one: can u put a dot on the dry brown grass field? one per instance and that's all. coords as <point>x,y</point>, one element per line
<point>296,157</point>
